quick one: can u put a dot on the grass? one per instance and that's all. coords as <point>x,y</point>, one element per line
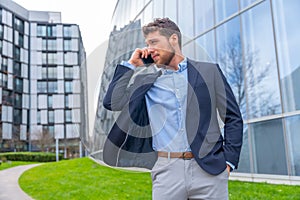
<point>84,179</point>
<point>9,164</point>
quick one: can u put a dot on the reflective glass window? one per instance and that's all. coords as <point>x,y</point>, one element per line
<point>18,84</point>
<point>52,73</point>
<point>186,19</point>
<point>52,86</point>
<point>51,116</point>
<point>244,163</point>
<point>51,31</point>
<point>158,10</point>
<point>42,87</point>
<point>204,15</point>
<point>44,72</point>
<point>41,30</point>
<point>148,12</point>
<point>67,45</point>
<point>68,86</point>
<point>205,47</point>
<point>52,45</point>
<point>268,147</point>
<point>171,9</point>
<point>260,62</point>
<point>68,72</point>
<point>52,58</point>
<point>67,31</point>
<point>224,9</point>
<point>50,101</point>
<point>245,3</point>
<point>230,59</point>
<point>68,116</point>
<point>286,15</point>
<point>293,134</point>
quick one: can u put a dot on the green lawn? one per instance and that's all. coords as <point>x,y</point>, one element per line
<point>9,164</point>
<point>84,179</point>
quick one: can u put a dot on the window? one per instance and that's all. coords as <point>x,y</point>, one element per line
<point>21,40</point>
<point>67,31</point>
<point>41,30</point>
<point>67,101</point>
<point>68,72</point>
<point>44,72</point>
<point>52,45</point>
<point>68,116</point>
<point>17,68</point>
<point>52,73</point>
<point>18,100</point>
<point>17,53</point>
<point>67,45</point>
<point>19,25</point>
<point>51,116</point>
<point>52,59</point>
<point>4,64</point>
<point>17,116</point>
<point>7,97</point>
<point>50,101</point>
<point>68,86</point>
<point>42,86</point>
<point>52,86</point>
<point>51,31</point>
<point>1,31</point>
<point>18,84</point>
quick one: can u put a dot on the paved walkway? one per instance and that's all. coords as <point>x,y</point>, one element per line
<point>9,185</point>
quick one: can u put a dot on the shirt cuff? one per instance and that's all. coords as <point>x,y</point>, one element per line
<point>127,64</point>
<point>230,164</point>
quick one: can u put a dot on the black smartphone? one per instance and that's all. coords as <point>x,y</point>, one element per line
<point>148,60</point>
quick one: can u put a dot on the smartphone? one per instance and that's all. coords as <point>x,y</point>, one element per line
<point>148,60</point>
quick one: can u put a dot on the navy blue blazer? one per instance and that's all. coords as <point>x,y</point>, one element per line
<point>129,142</point>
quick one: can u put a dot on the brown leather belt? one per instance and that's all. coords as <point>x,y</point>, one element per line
<point>184,155</point>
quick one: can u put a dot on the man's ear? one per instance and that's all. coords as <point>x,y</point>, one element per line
<point>173,40</point>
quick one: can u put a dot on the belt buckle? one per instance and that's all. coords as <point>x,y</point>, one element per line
<point>185,158</point>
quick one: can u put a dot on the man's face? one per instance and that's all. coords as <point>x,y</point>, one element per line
<point>160,48</point>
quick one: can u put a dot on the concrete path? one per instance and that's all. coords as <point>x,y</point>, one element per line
<point>9,185</point>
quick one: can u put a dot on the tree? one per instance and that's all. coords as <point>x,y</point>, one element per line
<point>243,74</point>
<point>43,140</point>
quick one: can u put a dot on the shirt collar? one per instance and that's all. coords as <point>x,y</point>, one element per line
<point>182,65</point>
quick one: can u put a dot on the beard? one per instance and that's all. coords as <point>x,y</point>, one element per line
<point>167,58</point>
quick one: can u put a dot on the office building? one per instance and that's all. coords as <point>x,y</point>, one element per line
<point>256,44</point>
<point>42,81</point>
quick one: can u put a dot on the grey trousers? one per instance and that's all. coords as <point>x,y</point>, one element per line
<point>179,179</point>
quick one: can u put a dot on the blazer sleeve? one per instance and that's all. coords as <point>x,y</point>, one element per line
<point>117,94</point>
<point>230,114</point>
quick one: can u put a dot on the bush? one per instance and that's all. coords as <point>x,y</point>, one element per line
<point>30,156</point>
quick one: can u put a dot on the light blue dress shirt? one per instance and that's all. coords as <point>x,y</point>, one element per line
<point>166,103</point>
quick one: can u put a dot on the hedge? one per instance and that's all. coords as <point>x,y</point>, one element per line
<point>29,156</point>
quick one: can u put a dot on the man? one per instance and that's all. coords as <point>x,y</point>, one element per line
<point>169,115</point>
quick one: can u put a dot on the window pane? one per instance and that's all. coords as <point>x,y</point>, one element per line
<point>292,128</point>
<point>67,45</point>
<point>204,18</point>
<point>159,6</point>
<point>230,58</point>
<point>52,45</point>
<point>260,62</point>
<point>245,3</point>
<point>52,73</point>
<point>244,164</point>
<point>268,146</point>
<point>286,14</point>
<point>186,19</point>
<point>52,87</point>
<point>224,9</point>
<point>67,31</point>
<point>68,86</point>
<point>205,48</point>
<point>41,30</point>
<point>171,9</point>
<point>51,116</point>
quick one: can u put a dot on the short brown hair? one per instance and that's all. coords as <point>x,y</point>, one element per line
<point>165,26</point>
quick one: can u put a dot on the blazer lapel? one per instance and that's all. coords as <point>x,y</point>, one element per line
<point>192,79</point>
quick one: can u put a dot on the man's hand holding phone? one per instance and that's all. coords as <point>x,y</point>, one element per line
<point>140,57</point>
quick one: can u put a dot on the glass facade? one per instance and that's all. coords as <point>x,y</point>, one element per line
<point>38,63</point>
<point>256,44</point>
